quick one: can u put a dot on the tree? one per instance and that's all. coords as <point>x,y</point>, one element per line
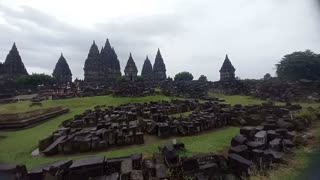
<point>203,78</point>
<point>299,65</point>
<point>183,76</point>
<point>36,79</point>
<point>267,76</point>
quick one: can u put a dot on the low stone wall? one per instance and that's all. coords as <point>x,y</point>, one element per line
<point>27,119</point>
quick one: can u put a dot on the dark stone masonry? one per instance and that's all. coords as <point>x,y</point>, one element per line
<point>227,71</point>
<point>159,68</point>
<point>13,66</point>
<point>146,72</point>
<point>131,70</point>
<point>62,72</point>
<point>101,67</point>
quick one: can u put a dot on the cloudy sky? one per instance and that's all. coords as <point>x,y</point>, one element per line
<point>193,35</point>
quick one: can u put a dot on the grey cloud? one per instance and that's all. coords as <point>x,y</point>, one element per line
<point>194,37</point>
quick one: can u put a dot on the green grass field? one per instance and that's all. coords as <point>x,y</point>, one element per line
<point>16,146</point>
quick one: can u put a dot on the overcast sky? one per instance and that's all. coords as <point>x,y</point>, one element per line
<point>193,35</point>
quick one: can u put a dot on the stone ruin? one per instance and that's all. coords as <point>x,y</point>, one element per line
<point>256,148</point>
<point>127,124</point>
<point>186,89</point>
<point>101,129</point>
<point>303,90</point>
<point>130,89</point>
<point>276,90</point>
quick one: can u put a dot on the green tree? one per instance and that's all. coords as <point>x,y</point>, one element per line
<point>267,76</point>
<point>36,79</point>
<point>299,65</point>
<point>203,78</point>
<point>183,76</point>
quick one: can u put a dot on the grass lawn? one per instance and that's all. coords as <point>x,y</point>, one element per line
<point>16,146</point>
<point>237,99</point>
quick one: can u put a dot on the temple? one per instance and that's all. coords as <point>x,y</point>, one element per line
<point>227,71</point>
<point>101,67</point>
<point>13,66</point>
<point>159,68</point>
<point>92,65</point>
<point>110,62</point>
<point>146,72</point>
<point>62,72</point>
<point>131,70</point>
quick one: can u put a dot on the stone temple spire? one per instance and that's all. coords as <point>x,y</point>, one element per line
<point>115,65</point>
<point>146,72</point>
<point>13,65</point>
<point>227,71</point>
<point>131,70</point>
<point>92,67</point>
<point>159,68</point>
<point>110,63</point>
<point>62,72</point>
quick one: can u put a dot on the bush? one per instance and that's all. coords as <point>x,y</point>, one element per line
<point>203,78</point>
<point>183,76</point>
<point>36,79</point>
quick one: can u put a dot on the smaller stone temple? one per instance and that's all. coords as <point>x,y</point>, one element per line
<point>146,72</point>
<point>62,72</point>
<point>227,71</point>
<point>13,65</point>
<point>131,70</point>
<point>159,68</point>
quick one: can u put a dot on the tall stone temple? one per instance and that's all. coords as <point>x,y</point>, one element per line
<point>227,71</point>
<point>146,72</point>
<point>62,72</point>
<point>131,70</point>
<point>159,68</point>
<point>103,66</point>
<point>13,65</point>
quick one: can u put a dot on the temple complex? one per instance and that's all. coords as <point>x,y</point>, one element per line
<point>13,65</point>
<point>62,72</point>
<point>227,71</point>
<point>146,72</point>
<point>159,68</point>
<point>131,70</point>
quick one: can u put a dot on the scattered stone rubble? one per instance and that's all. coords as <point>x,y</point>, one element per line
<point>276,90</point>
<point>136,89</point>
<point>255,149</point>
<point>127,124</point>
<point>186,89</point>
